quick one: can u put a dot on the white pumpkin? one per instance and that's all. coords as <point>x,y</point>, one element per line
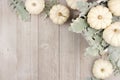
<point>59,14</point>
<point>102,69</point>
<point>112,34</point>
<point>99,17</point>
<point>114,6</point>
<point>35,6</point>
<point>73,3</point>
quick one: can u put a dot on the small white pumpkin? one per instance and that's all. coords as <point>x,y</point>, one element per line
<point>35,6</point>
<point>114,6</point>
<point>99,17</point>
<point>102,69</point>
<point>59,14</point>
<point>112,34</point>
<point>73,3</point>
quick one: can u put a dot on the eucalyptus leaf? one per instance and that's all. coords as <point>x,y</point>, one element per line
<point>90,31</point>
<point>103,43</point>
<point>114,53</point>
<point>78,25</point>
<point>91,51</point>
<point>114,56</point>
<point>83,6</point>
<point>100,48</point>
<point>97,39</point>
<point>19,7</point>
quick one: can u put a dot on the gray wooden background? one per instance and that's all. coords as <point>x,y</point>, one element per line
<point>40,50</point>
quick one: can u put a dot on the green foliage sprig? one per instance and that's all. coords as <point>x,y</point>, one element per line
<point>19,7</point>
<point>94,37</point>
<point>114,57</point>
<point>97,45</point>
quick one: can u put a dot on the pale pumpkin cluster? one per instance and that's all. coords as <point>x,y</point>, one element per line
<point>100,17</point>
<point>59,14</point>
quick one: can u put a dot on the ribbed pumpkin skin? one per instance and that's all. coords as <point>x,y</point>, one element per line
<point>59,14</point>
<point>114,6</point>
<point>99,17</point>
<point>35,6</point>
<point>112,34</point>
<point>102,69</point>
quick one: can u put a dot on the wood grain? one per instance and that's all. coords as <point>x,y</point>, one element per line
<point>8,56</point>
<point>27,49</point>
<point>40,50</point>
<point>48,49</point>
<point>69,53</point>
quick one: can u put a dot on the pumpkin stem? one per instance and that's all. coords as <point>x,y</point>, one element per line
<point>60,14</point>
<point>33,4</point>
<point>100,17</point>
<point>115,30</point>
<point>102,70</point>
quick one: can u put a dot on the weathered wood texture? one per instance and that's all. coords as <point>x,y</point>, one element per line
<point>40,50</point>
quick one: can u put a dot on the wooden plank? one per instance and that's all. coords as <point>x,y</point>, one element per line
<point>34,48</point>
<point>69,53</point>
<point>27,49</point>
<point>0,13</point>
<point>23,53</point>
<point>41,50</point>
<point>85,61</point>
<point>8,56</point>
<point>48,49</point>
